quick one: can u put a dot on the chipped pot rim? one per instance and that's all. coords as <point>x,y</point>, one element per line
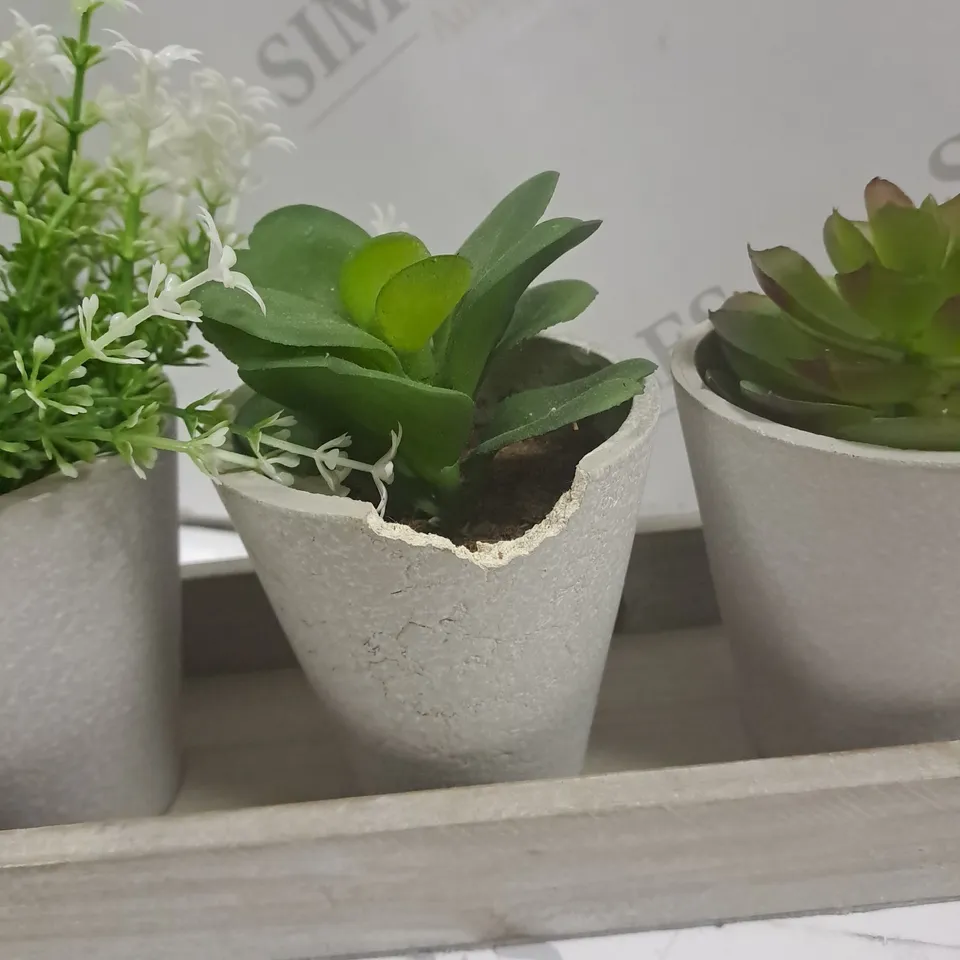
<point>635,431</point>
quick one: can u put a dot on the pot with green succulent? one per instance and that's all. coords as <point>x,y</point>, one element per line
<point>456,631</point>
<point>822,419</point>
<point>95,285</point>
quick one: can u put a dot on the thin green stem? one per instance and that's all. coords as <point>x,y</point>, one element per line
<point>74,127</point>
<point>132,220</point>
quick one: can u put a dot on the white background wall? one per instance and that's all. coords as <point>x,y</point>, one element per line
<point>690,126</point>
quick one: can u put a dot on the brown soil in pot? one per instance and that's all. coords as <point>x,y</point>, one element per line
<point>519,487</point>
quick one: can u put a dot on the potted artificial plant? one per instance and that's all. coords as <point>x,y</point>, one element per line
<point>89,316</point>
<point>822,420</point>
<point>456,631</point>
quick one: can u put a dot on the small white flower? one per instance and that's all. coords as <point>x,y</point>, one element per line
<point>223,259</point>
<point>136,349</point>
<point>125,449</point>
<point>30,394</point>
<point>383,470</point>
<point>121,325</point>
<point>163,301</point>
<point>81,395</point>
<point>81,6</point>
<point>329,460</point>
<point>32,53</point>
<point>268,466</point>
<point>88,313</point>
<point>279,419</point>
<point>133,419</point>
<point>216,436</point>
<point>72,410</point>
<point>21,366</point>
<point>67,469</point>
<point>209,140</point>
<point>43,348</point>
<point>385,221</point>
<point>147,458</point>
<point>159,61</point>
<point>157,275</point>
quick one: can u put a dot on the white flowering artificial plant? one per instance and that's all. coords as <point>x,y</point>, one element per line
<point>107,248</point>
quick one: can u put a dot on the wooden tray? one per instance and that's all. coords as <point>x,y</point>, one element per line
<point>673,825</point>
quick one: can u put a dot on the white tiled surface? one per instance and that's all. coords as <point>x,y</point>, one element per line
<point>911,933</point>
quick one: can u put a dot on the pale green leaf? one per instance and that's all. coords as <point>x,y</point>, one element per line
<point>367,270</point>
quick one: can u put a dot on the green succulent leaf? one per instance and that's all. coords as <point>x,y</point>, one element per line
<point>865,381</point>
<point>881,193</point>
<point>768,348</point>
<point>290,321</point>
<point>533,413</point>
<point>794,284</point>
<point>510,221</point>
<point>436,422</point>
<point>368,269</point>
<point>950,214</point>
<point>753,323</point>
<point>817,415</point>
<point>421,365</point>
<point>301,249</point>
<point>835,376</point>
<point>485,313</point>
<point>899,305</point>
<point>941,339</point>
<point>907,238</point>
<point>905,433</point>
<point>872,354</point>
<point>414,303</point>
<point>780,377</point>
<point>547,306</point>
<point>239,347</point>
<point>847,244</point>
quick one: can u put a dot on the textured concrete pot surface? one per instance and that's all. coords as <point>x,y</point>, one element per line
<point>835,566</point>
<point>440,666</point>
<point>89,641</point>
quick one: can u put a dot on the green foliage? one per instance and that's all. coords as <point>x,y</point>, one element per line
<point>364,333</point>
<point>74,235</point>
<point>870,353</point>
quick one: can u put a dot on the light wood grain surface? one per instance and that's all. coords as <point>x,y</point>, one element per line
<point>225,879</point>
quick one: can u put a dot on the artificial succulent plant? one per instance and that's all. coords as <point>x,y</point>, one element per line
<point>870,353</point>
<point>362,335</point>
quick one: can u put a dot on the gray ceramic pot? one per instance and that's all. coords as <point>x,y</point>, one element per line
<point>89,646</point>
<point>443,667</point>
<point>835,565</point>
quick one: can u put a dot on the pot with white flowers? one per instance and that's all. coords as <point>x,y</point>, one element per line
<point>440,503</point>
<point>94,304</point>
